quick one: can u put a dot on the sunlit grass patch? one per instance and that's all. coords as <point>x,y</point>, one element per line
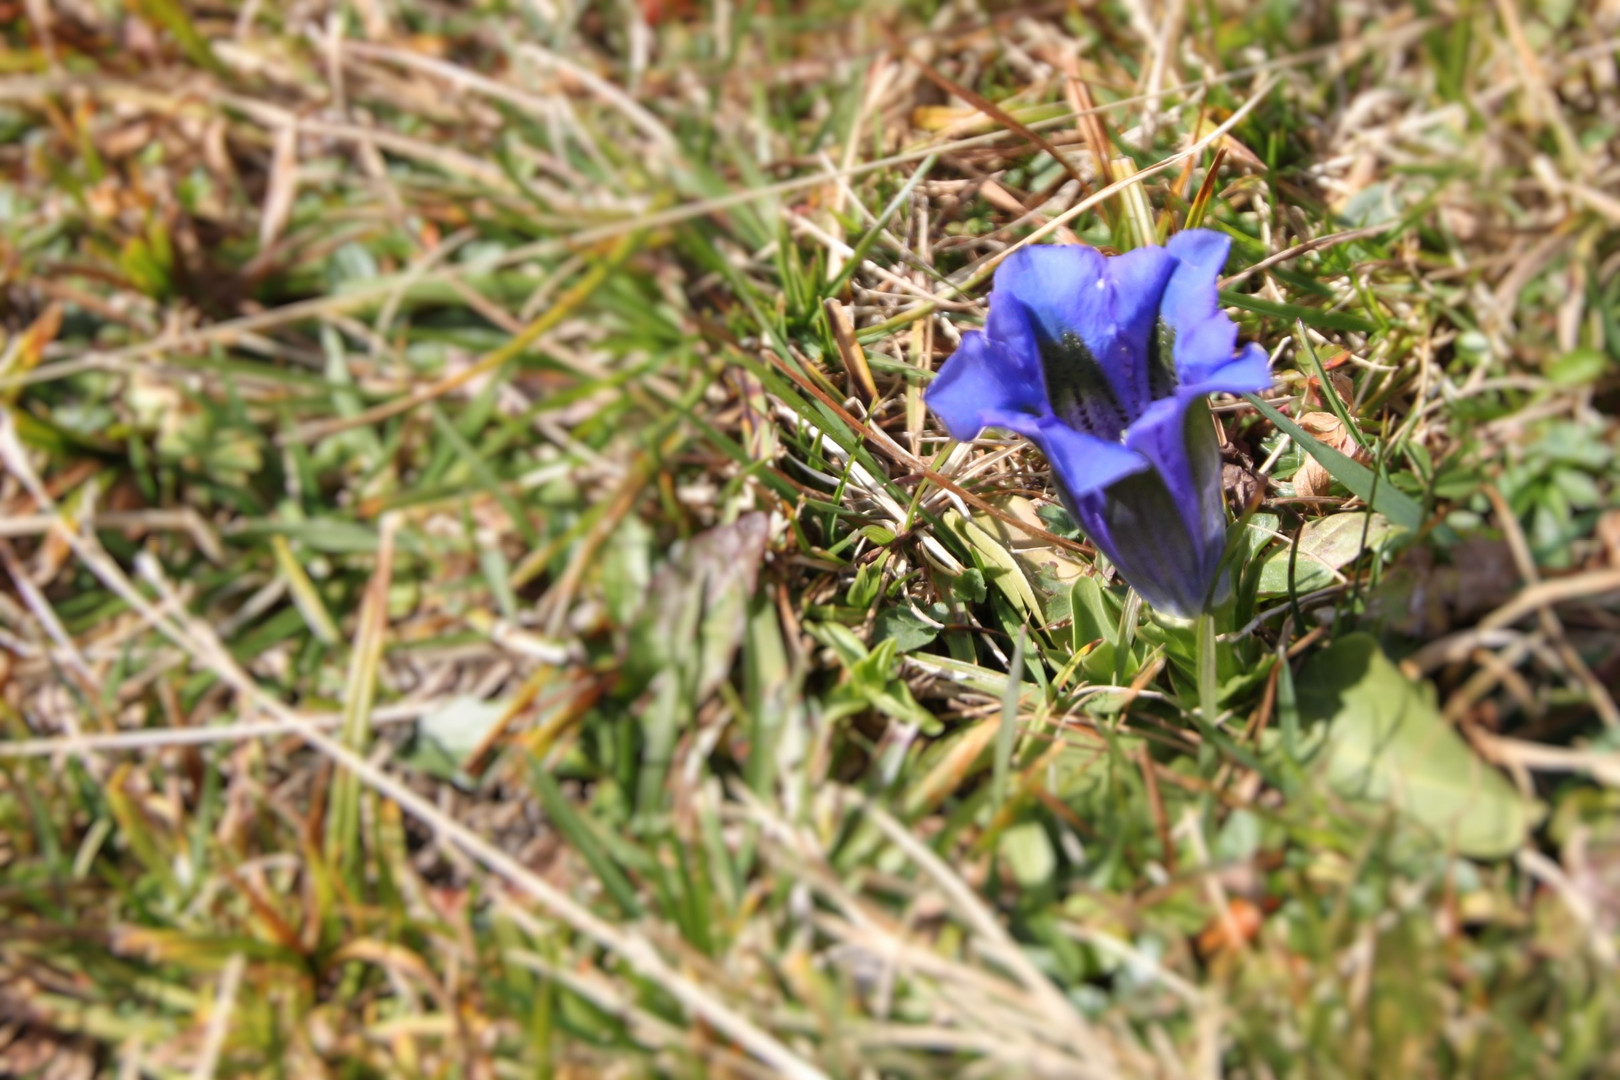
<point>486,596</point>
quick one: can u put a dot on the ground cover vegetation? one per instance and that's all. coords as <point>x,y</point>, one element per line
<point>485,596</point>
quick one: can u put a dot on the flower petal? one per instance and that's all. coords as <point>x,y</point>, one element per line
<point>1090,320</point>
<point>1137,281</point>
<point>1056,289</point>
<point>1178,437</point>
<point>1136,524</point>
<point>1247,372</point>
<point>1081,462</point>
<point>1204,336</point>
<point>985,384</point>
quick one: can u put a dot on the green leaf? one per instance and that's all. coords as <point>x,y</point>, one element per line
<point>330,536</point>
<point>1378,492</point>
<point>873,679</point>
<point>840,639</point>
<point>868,581</point>
<point>969,585</point>
<point>1096,619</point>
<point>626,563</point>
<point>903,627</point>
<point>1059,521</point>
<point>1387,743</point>
<point>997,564</point>
<point>447,735</point>
<point>1578,368</point>
<point>1095,611</point>
<point>1332,320</point>
<point>1029,855</point>
<point>1325,545</point>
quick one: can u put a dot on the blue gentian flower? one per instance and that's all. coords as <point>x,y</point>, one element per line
<point>1106,364</point>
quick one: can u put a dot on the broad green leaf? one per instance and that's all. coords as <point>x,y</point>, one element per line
<point>461,724</point>
<point>1059,521</point>
<point>447,735</point>
<point>974,677</point>
<point>1028,851</point>
<point>1385,742</point>
<point>1095,612</point>
<point>1578,368</point>
<point>1325,545</point>
<point>840,639</point>
<point>1096,619</point>
<point>969,585</point>
<point>1034,553</point>
<point>697,605</point>
<point>626,568</point>
<point>875,680</point>
<point>1378,492</point>
<point>998,565</point>
<point>903,627</point>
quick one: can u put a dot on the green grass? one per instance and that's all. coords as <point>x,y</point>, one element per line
<point>474,607</point>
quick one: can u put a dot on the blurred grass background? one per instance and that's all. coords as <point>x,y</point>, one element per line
<point>483,596</point>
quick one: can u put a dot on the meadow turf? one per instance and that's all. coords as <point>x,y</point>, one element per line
<point>481,594</point>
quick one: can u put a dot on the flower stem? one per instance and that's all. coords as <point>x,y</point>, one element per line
<point>1208,689</point>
